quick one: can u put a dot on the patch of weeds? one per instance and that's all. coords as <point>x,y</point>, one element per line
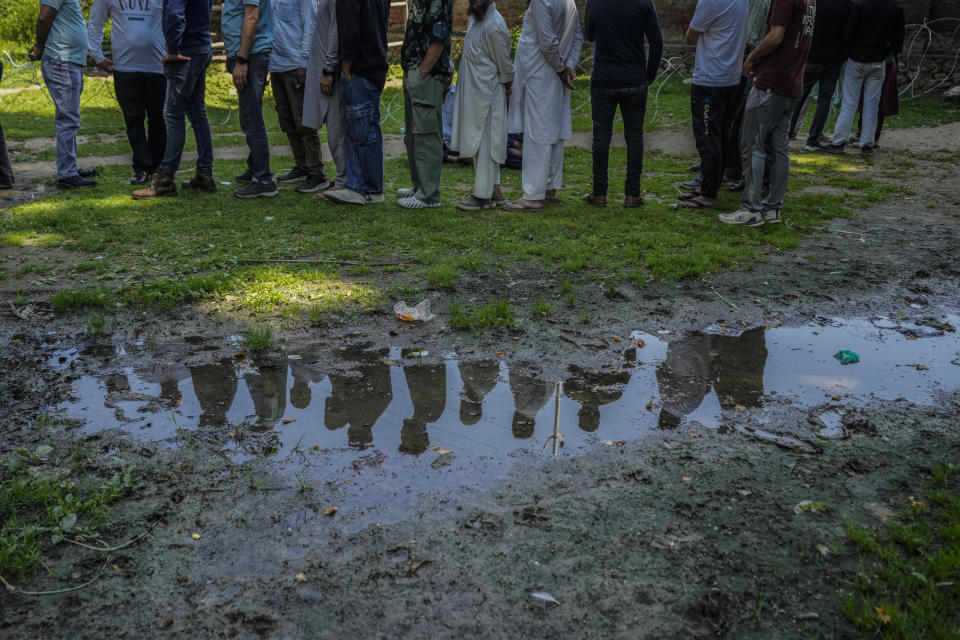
<point>908,585</point>
<point>75,299</point>
<point>33,267</point>
<point>42,503</point>
<point>565,287</point>
<point>303,483</point>
<point>478,319</point>
<point>541,308</point>
<point>586,317</point>
<point>257,339</point>
<point>571,301</point>
<point>442,275</point>
<point>97,325</point>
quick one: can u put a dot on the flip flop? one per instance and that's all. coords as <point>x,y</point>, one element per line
<point>692,204</point>
<point>520,205</point>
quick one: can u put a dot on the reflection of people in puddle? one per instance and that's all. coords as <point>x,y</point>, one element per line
<point>733,366</point>
<point>592,390</point>
<point>479,379</point>
<point>359,397</point>
<point>268,390</point>
<point>300,392</point>
<point>427,385</point>
<point>530,394</point>
<point>214,385</point>
<point>168,376</point>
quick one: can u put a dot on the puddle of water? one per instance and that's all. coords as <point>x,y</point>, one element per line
<point>462,424</point>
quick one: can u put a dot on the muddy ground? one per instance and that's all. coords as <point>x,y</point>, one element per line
<point>691,530</point>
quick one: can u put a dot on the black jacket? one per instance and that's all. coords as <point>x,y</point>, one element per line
<point>875,30</point>
<point>617,28</point>
<point>829,31</point>
<point>363,38</point>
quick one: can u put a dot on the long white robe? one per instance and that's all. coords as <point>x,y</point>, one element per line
<point>550,40</point>
<point>480,109</point>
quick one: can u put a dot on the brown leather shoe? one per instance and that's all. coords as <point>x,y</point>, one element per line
<point>594,199</point>
<point>632,202</point>
<point>161,186</point>
<point>201,181</point>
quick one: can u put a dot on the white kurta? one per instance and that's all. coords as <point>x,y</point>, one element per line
<point>317,107</point>
<point>550,40</point>
<point>480,110</point>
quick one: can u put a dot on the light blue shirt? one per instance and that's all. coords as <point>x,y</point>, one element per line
<point>723,27</point>
<point>231,22</point>
<point>292,33</point>
<point>136,37</point>
<point>67,40</point>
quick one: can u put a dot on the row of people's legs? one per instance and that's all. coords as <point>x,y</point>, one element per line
<point>6,170</point>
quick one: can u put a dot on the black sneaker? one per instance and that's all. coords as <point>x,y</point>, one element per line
<point>867,151</point>
<point>245,177</point>
<point>140,177</point>
<point>835,149</point>
<point>293,175</point>
<point>694,167</point>
<point>88,173</point>
<point>75,181</point>
<point>696,183</point>
<point>313,184</point>
<point>257,190</point>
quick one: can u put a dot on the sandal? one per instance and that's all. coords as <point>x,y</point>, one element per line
<point>594,200</point>
<point>521,205</point>
<point>690,196</point>
<point>692,204</point>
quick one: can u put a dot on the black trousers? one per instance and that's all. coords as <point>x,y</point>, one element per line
<point>141,97</point>
<point>6,171</point>
<point>827,75</point>
<point>713,111</point>
<point>633,108</point>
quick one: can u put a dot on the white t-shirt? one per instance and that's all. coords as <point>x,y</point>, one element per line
<point>723,27</point>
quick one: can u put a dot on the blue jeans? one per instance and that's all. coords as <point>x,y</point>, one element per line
<point>65,83</point>
<point>364,138</point>
<point>186,94</point>
<point>251,115</point>
<point>633,108</point>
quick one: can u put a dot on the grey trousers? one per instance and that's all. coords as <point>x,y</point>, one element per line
<point>766,119</point>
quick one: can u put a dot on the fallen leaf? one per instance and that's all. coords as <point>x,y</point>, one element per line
<point>921,367</point>
<point>641,343</point>
<point>329,511</point>
<point>542,595</point>
<point>195,536</point>
<point>837,398</point>
<point>239,355</point>
<point>650,405</point>
<point>882,615</point>
<point>116,567</point>
<point>300,577</point>
<point>232,434</point>
<point>288,420</point>
<point>15,341</point>
<point>168,622</point>
<point>501,353</point>
<point>366,334</point>
<point>440,450</point>
<point>671,544</point>
<point>414,566</point>
<point>686,478</point>
<point>617,339</point>
<point>823,549</point>
<point>740,407</point>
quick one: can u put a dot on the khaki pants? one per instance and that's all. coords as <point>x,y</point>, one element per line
<point>304,141</point>
<point>422,101</point>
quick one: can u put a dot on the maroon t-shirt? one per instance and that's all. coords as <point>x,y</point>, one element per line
<point>781,72</point>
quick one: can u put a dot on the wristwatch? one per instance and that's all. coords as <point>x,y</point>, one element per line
<point>242,60</point>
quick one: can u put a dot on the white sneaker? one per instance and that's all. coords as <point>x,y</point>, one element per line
<point>375,198</point>
<point>346,196</point>
<point>742,217</point>
<point>413,202</point>
<point>772,216</point>
<point>406,192</point>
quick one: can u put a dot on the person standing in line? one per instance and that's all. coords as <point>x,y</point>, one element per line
<point>874,31</point>
<point>61,47</point>
<point>719,31</point>
<point>322,99</point>
<point>622,74</point>
<point>776,67</point>
<point>425,57</point>
<point>186,29</point>
<point>479,128</point>
<point>247,40</point>
<point>362,25</point>
<point>823,66</point>
<point>137,48</point>
<point>547,54</point>
<point>6,171</point>
<point>292,36</point>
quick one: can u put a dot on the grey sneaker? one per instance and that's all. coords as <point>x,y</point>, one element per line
<point>257,190</point>
<point>348,196</point>
<point>812,148</point>
<point>743,217</point>
<point>406,192</point>
<point>375,198</point>
<point>414,202</point>
<point>867,151</point>
<point>473,203</point>
<point>312,184</point>
<point>293,175</point>
<point>245,177</point>
<point>772,216</point>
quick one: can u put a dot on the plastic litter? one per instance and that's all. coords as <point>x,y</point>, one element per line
<point>847,357</point>
<point>411,314</point>
<point>720,330</point>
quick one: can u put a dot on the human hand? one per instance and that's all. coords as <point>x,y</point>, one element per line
<point>171,57</point>
<point>508,86</point>
<point>302,75</point>
<point>240,75</point>
<point>567,77</point>
<point>106,64</point>
<point>748,67</point>
<point>326,85</point>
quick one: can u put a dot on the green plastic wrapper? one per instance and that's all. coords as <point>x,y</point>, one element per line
<point>847,357</point>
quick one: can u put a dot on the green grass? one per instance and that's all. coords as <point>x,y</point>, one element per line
<point>477,319</point>
<point>42,501</point>
<point>257,339</point>
<point>908,585</point>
